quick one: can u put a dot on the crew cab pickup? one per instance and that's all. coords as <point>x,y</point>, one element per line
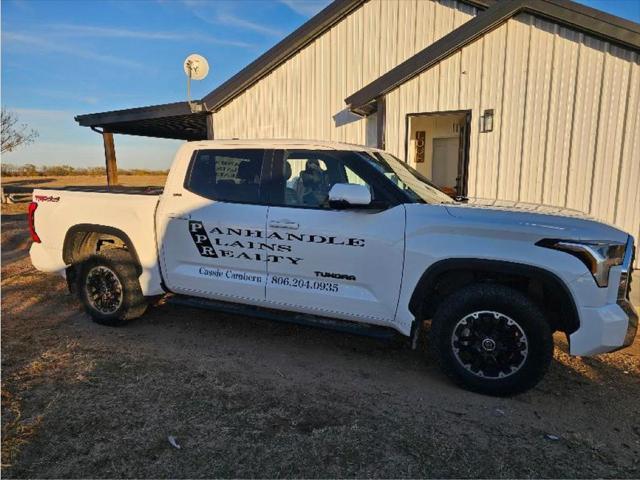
<point>347,235</point>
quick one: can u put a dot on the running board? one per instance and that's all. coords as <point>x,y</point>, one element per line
<point>355,328</point>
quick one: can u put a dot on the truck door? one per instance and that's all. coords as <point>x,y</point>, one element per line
<point>212,227</point>
<point>340,263</point>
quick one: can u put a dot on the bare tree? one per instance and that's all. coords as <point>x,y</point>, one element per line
<point>13,134</point>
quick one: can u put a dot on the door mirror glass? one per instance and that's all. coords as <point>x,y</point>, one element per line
<point>345,195</point>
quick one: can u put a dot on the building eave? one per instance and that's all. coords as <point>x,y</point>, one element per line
<point>172,120</point>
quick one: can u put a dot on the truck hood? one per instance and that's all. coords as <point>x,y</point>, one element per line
<point>543,220</point>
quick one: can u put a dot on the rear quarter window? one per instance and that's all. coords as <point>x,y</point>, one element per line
<point>226,175</point>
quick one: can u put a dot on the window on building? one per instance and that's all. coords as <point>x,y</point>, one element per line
<point>226,175</point>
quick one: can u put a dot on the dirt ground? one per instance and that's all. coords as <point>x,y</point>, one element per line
<point>250,398</point>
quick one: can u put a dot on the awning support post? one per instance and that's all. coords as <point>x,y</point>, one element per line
<point>110,158</point>
<point>210,135</point>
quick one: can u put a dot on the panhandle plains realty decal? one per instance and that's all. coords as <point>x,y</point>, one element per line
<point>247,241</point>
<point>201,239</point>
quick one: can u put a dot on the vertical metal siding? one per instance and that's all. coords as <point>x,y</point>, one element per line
<point>613,101</point>
<point>491,96</point>
<point>300,97</point>
<point>560,116</point>
<point>628,192</point>
<point>536,114</point>
<point>585,122</point>
<point>511,127</point>
<point>567,117</point>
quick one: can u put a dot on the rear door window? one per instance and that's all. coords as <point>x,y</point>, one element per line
<point>227,175</point>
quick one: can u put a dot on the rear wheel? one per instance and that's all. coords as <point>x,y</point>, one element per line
<point>109,289</point>
<point>492,339</point>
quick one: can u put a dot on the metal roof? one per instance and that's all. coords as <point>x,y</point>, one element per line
<point>171,120</point>
<point>617,30</point>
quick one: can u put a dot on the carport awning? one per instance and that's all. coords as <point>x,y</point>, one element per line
<point>171,120</point>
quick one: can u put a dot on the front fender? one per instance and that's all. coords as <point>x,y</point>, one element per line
<point>433,236</point>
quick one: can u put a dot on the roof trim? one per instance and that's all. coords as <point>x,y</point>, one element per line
<point>171,120</point>
<point>288,47</point>
<point>134,114</point>
<point>589,20</point>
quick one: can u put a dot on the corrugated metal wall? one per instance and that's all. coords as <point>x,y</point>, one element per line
<point>300,98</point>
<point>567,117</point>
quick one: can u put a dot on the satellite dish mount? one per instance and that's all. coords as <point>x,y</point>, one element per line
<point>196,67</point>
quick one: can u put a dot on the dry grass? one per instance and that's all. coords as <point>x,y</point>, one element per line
<point>56,366</point>
<point>15,431</point>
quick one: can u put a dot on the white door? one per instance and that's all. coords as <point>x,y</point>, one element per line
<point>340,263</point>
<point>445,161</point>
<point>213,236</point>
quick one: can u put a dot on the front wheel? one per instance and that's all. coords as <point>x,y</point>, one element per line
<point>108,288</point>
<point>492,339</point>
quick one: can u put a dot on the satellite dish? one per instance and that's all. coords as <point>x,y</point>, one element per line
<point>196,67</point>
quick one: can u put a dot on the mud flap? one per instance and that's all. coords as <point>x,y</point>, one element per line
<point>71,275</point>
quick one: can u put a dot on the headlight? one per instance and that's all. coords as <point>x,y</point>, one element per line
<point>599,257</point>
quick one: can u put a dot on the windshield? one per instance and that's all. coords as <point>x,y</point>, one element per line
<point>409,180</point>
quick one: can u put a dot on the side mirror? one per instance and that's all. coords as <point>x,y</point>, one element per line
<point>346,195</point>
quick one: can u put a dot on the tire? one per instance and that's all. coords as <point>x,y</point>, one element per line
<point>115,274</point>
<point>491,339</point>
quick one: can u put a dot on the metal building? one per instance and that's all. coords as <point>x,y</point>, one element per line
<point>520,100</point>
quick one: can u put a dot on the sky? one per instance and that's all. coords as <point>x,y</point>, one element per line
<point>64,58</point>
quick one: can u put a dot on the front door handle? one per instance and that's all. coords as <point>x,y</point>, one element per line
<point>288,224</point>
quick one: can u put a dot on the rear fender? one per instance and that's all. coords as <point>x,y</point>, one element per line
<point>67,248</point>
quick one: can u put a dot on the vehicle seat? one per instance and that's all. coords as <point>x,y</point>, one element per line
<point>290,195</point>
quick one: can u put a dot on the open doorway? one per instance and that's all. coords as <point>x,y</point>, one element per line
<point>437,145</point>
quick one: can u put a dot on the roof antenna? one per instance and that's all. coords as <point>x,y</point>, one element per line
<point>196,67</point>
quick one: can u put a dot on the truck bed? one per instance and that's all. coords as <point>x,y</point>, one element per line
<point>146,190</point>
<point>128,212</point>
<point>137,190</point>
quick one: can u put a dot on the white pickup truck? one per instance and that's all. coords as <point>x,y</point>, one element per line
<point>349,237</point>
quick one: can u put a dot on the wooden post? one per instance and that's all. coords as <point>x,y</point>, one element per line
<point>110,158</point>
<point>210,126</point>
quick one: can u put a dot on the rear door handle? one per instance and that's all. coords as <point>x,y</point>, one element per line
<point>284,224</point>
